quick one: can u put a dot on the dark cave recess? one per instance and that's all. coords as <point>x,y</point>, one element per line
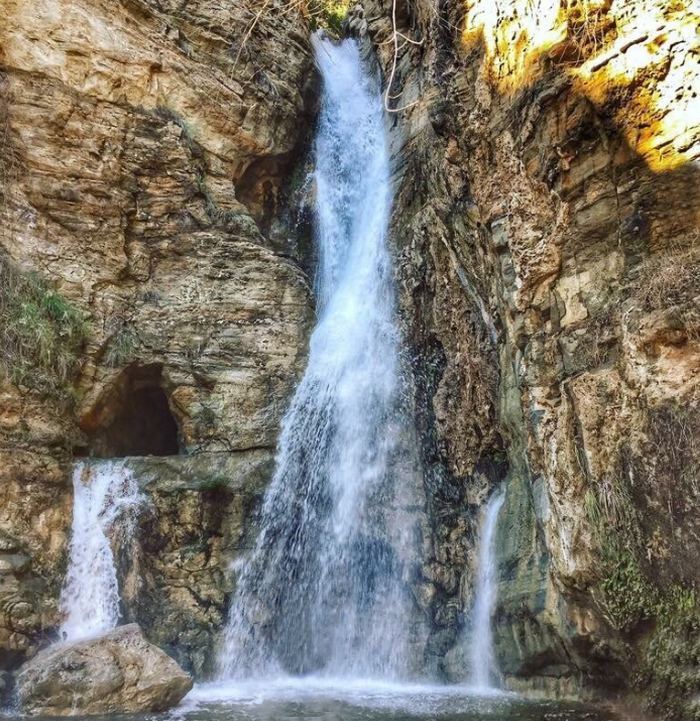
<point>133,418</point>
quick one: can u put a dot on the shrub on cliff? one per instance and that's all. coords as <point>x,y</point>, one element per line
<point>328,13</point>
<point>41,333</point>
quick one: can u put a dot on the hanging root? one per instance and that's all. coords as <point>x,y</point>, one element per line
<point>396,36</point>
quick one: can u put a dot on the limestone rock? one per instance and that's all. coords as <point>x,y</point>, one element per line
<point>545,225</point>
<point>119,672</point>
<point>200,518</point>
<point>147,148</point>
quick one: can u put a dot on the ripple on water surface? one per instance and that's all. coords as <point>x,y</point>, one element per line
<point>319,699</point>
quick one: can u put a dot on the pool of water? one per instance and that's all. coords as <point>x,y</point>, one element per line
<point>329,700</point>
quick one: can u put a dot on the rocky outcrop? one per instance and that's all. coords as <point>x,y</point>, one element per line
<point>146,158</point>
<point>119,672</point>
<point>546,232</point>
<point>199,518</point>
<point>545,227</point>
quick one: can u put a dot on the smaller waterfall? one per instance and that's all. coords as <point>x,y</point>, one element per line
<point>481,655</point>
<point>105,495</point>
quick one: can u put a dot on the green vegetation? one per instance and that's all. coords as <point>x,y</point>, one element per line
<point>213,483</point>
<point>207,417</point>
<point>628,598</point>
<point>121,346</point>
<point>637,602</point>
<point>668,672</point>
<point>329,14</point>
<point>42,333</point>
<point>631,601</point>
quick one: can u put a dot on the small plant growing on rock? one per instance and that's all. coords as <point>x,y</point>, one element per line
<point>634,511</point>
<point>42,333</point>
<point>207,419</point>
<point>328,14</point>
<point>214,483</point>
<point>628,597</point>
<point>120,347</point>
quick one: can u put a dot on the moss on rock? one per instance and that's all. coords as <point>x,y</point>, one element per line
<point>329,14</point>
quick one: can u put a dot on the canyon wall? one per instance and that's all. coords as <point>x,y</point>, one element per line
<point>546,229</point>
<point>155,304</point>
<point>153,301</point>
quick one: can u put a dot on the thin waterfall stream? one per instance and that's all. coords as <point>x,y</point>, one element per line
<point>323,622</point>
<point>105,494</point>
<point>484,670</point>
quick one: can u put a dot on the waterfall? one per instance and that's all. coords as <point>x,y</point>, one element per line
<point>481,655</point>
<point>105,494</point>
<point>324,590</point>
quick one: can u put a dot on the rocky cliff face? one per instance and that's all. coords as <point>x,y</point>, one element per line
<point>156,306</point>
<point>546,228</point>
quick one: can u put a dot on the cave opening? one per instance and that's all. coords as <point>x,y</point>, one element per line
<point>133,418</point>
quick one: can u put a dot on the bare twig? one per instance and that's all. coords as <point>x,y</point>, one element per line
<point>248,33</point>
<point>395,35</point>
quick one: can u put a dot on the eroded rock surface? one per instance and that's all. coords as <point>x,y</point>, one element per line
<point>546,229</point>
<point>119,672</point>
<point>199,518</point>
<point>545,223</point>
<point>144,165</point>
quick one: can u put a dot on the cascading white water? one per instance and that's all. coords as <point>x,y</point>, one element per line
<point>324,589</point>
<point>105,496</point>
<point>482,660</point>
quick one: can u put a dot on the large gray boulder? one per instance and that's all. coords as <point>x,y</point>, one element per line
<point>115,673</point>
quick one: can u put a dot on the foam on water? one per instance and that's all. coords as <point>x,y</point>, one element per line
<point>367,693</point>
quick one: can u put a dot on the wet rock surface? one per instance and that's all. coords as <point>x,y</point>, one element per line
<point>545,228</point>
<point>146,159</point>
<point>199,518</point>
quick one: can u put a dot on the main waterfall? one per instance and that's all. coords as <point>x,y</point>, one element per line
<point>324,589</point>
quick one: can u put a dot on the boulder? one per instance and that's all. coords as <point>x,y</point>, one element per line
<point>115,673</point>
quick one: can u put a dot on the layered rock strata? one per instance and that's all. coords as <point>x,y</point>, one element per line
<point>546,229</point>
<point>146,151</point>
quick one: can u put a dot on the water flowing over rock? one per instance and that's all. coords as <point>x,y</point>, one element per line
<point>325,588</point>
<point>105,497</point>
<point>156,304</point>
<point>145,173</point>
<point>119,672</point>
<point>483,667</point>
<point>545,223</point>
